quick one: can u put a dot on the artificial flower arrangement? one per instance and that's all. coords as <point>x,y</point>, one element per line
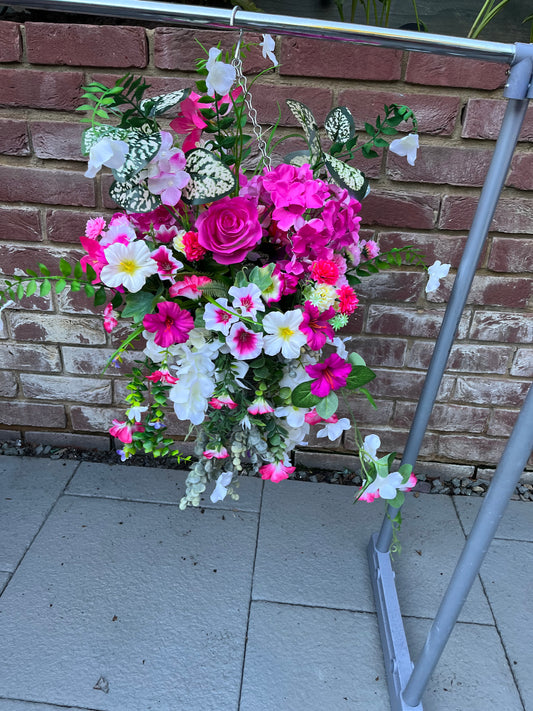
<point>237,281</point>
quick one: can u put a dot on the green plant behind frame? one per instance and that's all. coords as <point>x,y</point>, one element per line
<point>487,13</point>
<point>374,14</point>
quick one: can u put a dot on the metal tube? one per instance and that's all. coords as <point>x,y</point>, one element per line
<point>511,466</point>
<point>501,159</point>
<point>172,14</point>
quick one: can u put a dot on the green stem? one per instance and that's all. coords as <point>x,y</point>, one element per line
<point>133,335</point>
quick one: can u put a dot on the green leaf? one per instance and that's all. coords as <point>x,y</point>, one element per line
<point>143,148</point>
<point>398,500</point>
<point>100,297</point>
<point>138,305</point>
<point>31,272</point>
<point>210,178</point>
<point>356,359</point>
<point>45,289</point>
<point>117,300</point>
<point>262,276</point>
<point>339,124</point>
<point>328,405</point>
<point>84,107</point>
<point>44,270</point>
<point>64,267</point>
<point>60,285</point>
<point>90,273</point>
<point>20,290</point>
<point>31,288</point>
<point>75,286</point>
<point>380,143</point>
<point>360,375</point>
<point>101,113</point>
<point>303,397</point>
<point>346,176</point>
<point>134,196</point>
<point>158,105</point>
<point>78,271</point>
<point>307,121</point>
<point>370,129</point>
<point>369,397</point>
<point>89,290</point>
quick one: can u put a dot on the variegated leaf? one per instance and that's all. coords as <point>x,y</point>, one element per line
<point>298,158</point>
<point>340,125</point>
<point>142,149</point>
<point>307,121</point>
<point>346,176</point>
<point>94,134</point>
<point>210,178</point>
<point>157,105</point>
<point>134,196</point>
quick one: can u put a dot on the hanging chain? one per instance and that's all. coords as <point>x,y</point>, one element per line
<point>252,113</point>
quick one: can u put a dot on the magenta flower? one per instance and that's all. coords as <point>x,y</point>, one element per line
<point>124,430</point>
<point>217,452</point>
<point>243,343</point>
<point>229,229</point>
<point>171,325</point>
<point>162,375</point>
<point>316,326</point>
<point>330,375</point>
<point>109,320</point>
<point>190,287</point>
<point>276,472</point>
<point>167,265</point>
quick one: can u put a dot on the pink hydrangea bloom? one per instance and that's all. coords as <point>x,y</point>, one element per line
<point>171,324</point>
<point>330,375</point>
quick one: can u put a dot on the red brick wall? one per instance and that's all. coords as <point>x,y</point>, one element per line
<point>52,350</point>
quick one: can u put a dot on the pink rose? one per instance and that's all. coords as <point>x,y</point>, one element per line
<point>229,229</point>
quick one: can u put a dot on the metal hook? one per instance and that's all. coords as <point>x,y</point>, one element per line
<point>235,10</point>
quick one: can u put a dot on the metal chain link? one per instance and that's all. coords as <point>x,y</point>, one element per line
<point>252,113</point>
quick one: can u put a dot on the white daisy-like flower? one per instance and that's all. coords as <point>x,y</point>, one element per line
<point>128,265</point>
<point>283,333</point>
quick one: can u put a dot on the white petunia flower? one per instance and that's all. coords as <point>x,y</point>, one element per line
<point>135,412</point>
<point>436,271</point>
<point>371,444</point>
<point>128,265</point>
<point>268,46</point>
<point>283,333</point>
<point>406,146</point>
<point>108,151</point>
<point>333,430</point>
<point>220,76</point>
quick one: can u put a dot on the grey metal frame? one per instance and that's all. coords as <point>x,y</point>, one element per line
<point>406,684</point>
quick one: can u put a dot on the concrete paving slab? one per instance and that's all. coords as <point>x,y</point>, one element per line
<point>314,659</point>
<point>129,606</point>
<point>516,524</point>
<point>507,573</point>
<point>156,485</point>
<point>29,487</point>
<point>312,550</point>
<point>4,578</point>
<point>432,541</point>
<point>13,705</point>
<point>473,673</point>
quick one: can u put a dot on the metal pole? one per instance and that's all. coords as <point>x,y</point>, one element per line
<point>169,13</point>
<point>507,474</point>
<point>503,153</point>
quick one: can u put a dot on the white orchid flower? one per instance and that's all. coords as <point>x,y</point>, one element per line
<point>220,490</point>
<point>220,76</point>
<point>333,430</point>
<point>371,444</point>
<point>406,146</point>
<point>107,151</point>
<point>436,271</point>
<point>268,46</point>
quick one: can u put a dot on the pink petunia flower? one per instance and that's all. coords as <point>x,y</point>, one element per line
<point>217,317</point>
<point>190,287</point>
<point>316,326</point>
<point>171,325</point>
<point>124,430</point>
<point>167,265</point>
<point>162,375</point>
<point>330,375</point>
<point>276,472</point>
<point>243,343</point>
<point>222,401</point>
<point>260,406</point>
<point>218,452</point>
<point>247,299</point>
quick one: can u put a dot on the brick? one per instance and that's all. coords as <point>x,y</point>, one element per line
<point>512,215</point>
<point>15,258</point>
<point>486,450</point>
<point>20,224</point>
<point>467,358</point>
<point>405,321</point>
<point>40,89</point>
<point>490,391</point>
<point>365,414</point>
<point>502,326</point>
<point>400,209</point>
<point>501,422</point>
<point>445,418</point>
<point>394,440</point>
<point>392,286</point>
<point>92,361</point>
<point>10,44</point>
<point>68,439</point>
<point>30,303</point>
<point>56,329</point>
<point>442,164</point>
<point>10,435</point>
<point>58,141</point>
<point>86,45</point>
<point>178,49</point>
<point>325,460</point>
<point>483,119</point>
<point>521,172</point>
<point>67,225</point>
<point>436,70</point>
<point>511,255</point>
<point>489,291</point>
<point>14,137</point>
<point>45,185</point>
<point>436,114</point>
<point>384,352</point>
<point>448,249</point>
<point>523,363</point>
<point>399,383</point>
<point>52,387</point>
<point>338,60</point>
<point>270,99</point>
<point>8,384</point>
<point>32,414</point>
<point>76,302</point>
<point>18,356</point>
<point>94,419</point>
